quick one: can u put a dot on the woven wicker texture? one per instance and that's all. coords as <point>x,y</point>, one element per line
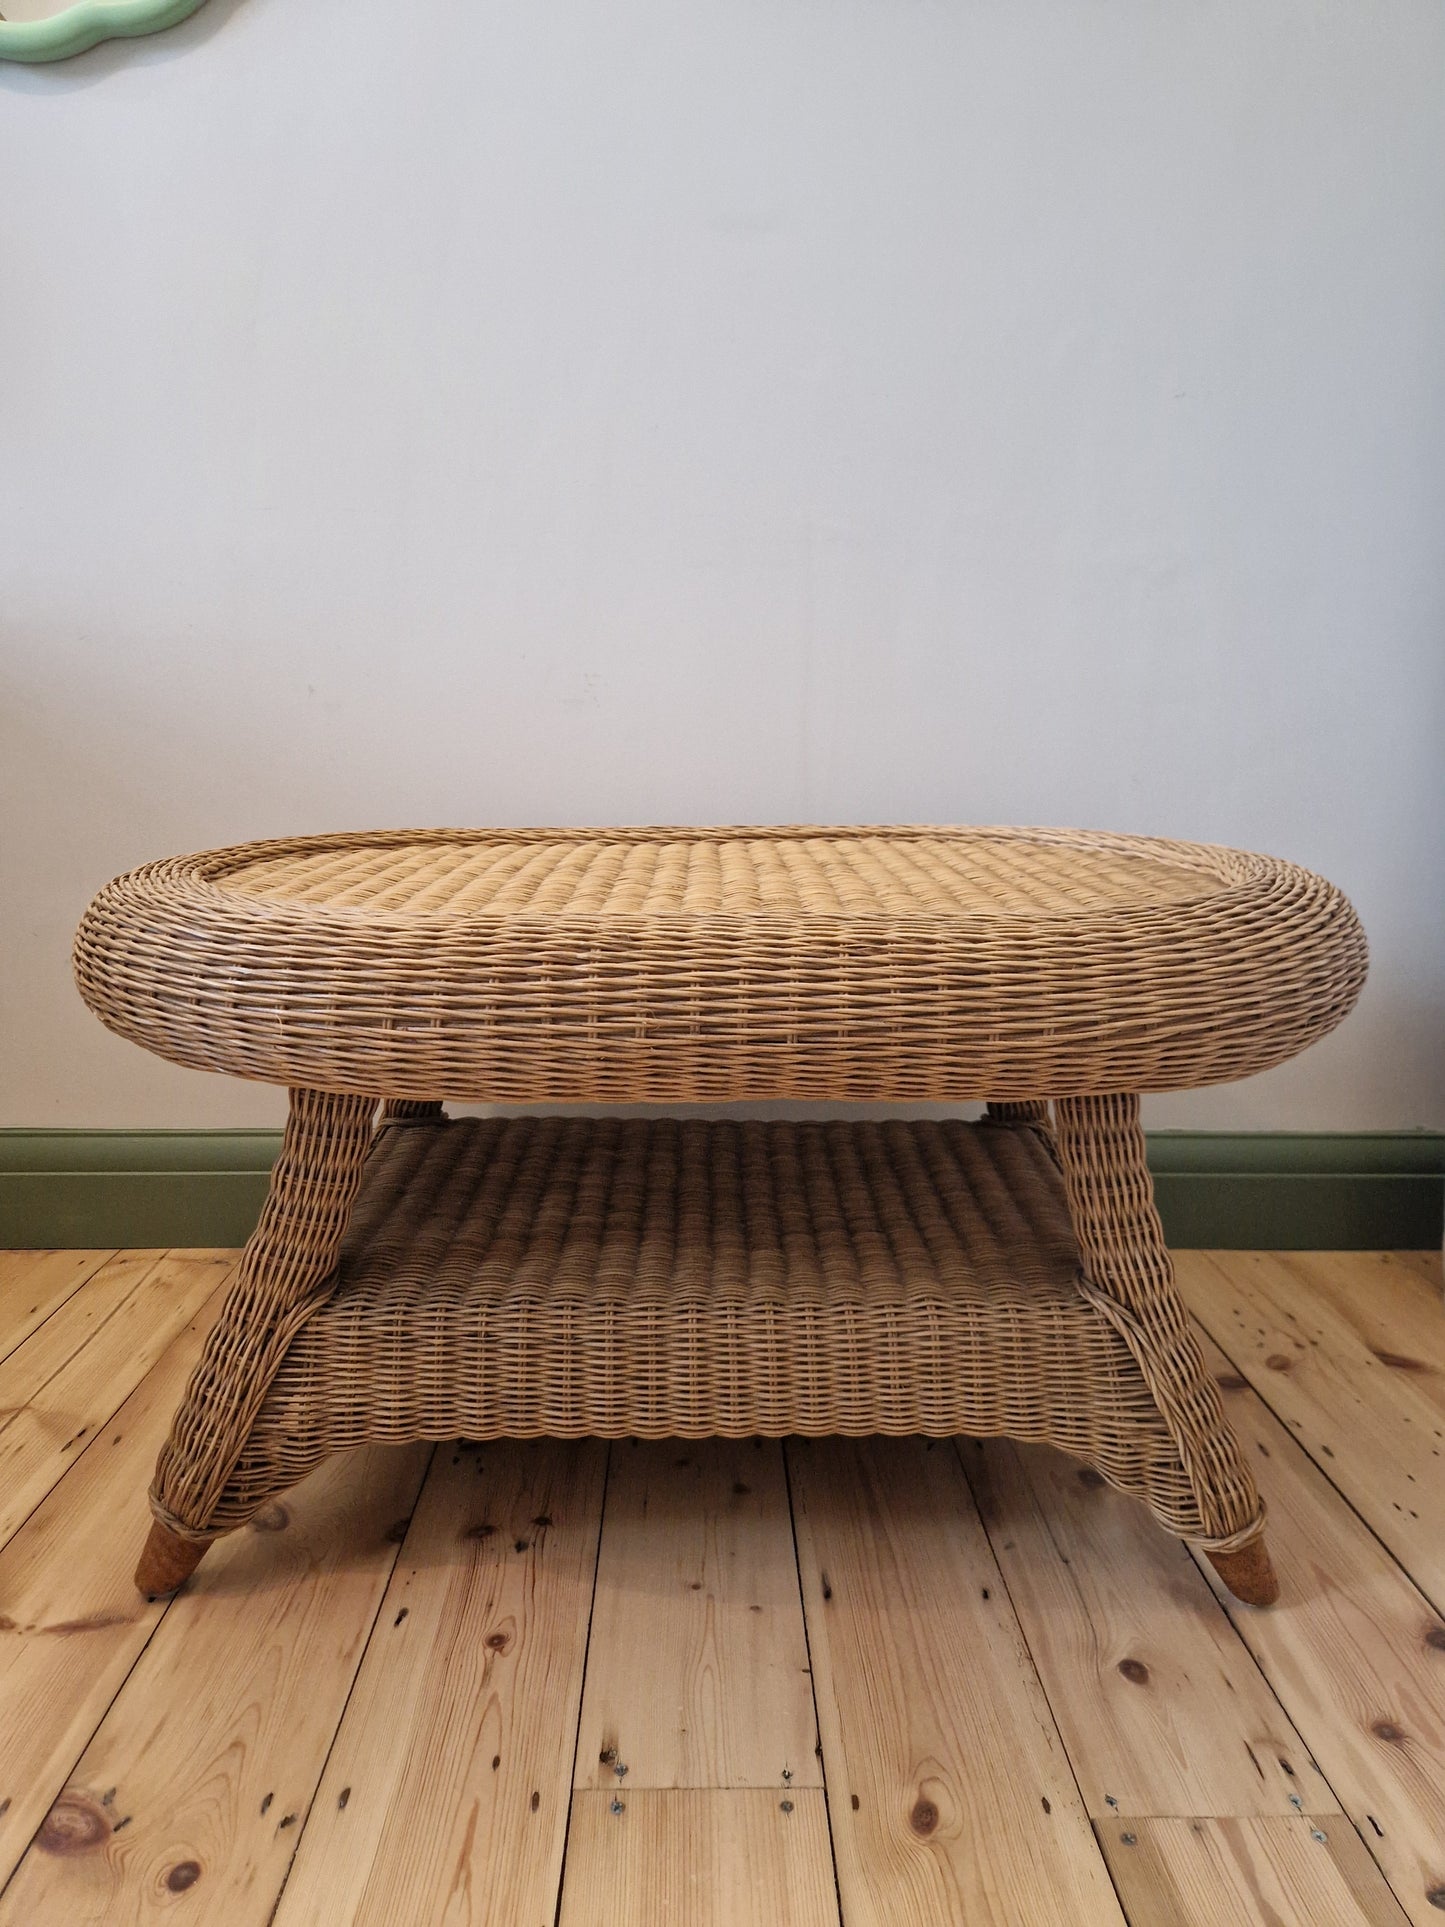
<point>569,1277</point>
<point>680,1278</point>
<point>618,965</point>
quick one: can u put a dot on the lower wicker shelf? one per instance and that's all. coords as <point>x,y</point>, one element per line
<point>613,1277</point>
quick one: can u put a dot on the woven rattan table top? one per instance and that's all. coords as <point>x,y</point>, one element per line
<point>684,964</point>
<point>603,875</point>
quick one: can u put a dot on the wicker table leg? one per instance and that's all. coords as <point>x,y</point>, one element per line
<point>284,1275</point>
<point>1027,1110</point>
<point>1129,1279</point>
<point>413,1110</point>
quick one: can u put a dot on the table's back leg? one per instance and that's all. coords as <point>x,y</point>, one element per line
<point>1028,1110</point>
<point>1129,1278</point>
<point>413,1110</point>
<point>285,1272</point>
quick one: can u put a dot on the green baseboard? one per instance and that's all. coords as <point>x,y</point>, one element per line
<point>1266,1191</point>
<point>98,1188</point>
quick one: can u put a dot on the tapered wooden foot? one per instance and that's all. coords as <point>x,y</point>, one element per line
<point>1248,1572</point>
<point>168,1561</point>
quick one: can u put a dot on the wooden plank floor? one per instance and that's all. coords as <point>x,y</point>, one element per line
<point>879,1683</point>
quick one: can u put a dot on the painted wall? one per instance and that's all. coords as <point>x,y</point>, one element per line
<point>991,410</point>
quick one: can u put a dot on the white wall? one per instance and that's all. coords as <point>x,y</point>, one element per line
<point>421,411</point>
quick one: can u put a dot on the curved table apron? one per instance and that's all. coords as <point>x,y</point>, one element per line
<point>414,1277</point>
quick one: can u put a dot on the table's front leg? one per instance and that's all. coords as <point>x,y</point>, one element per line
<point>1129,1278</point>
<point>284,1272</point>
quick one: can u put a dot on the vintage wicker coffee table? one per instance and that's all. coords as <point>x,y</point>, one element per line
<point>413,1277</point>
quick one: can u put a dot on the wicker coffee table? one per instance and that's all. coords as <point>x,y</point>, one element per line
<point>415,1277</point>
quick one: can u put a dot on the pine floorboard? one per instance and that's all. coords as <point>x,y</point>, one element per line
<point>698,1662</point>
<point>33,1284</point>
<point>73,1372</point>
<point>703,1856</point>
<point>1380,1437</point>
<point>446,1793</point>
<point>71,1628</point>
<point>1354,1652</point>
<point>831,1683</point>
<point>1247,1873</point>
<point>1161,1707</point>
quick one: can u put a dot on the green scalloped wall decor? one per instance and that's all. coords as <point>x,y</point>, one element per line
<point>87,23</point>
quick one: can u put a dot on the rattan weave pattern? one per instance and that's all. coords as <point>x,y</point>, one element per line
<point>569,1277</point>
<point>681,1278</point>
<point>814,873</point>
<point>685,965</point>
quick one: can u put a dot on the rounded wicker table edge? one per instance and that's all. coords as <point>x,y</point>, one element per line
<point>335,966</point>
<point>522,1007</point>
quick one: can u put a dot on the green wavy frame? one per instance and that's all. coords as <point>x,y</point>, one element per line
<point>86,24</point>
